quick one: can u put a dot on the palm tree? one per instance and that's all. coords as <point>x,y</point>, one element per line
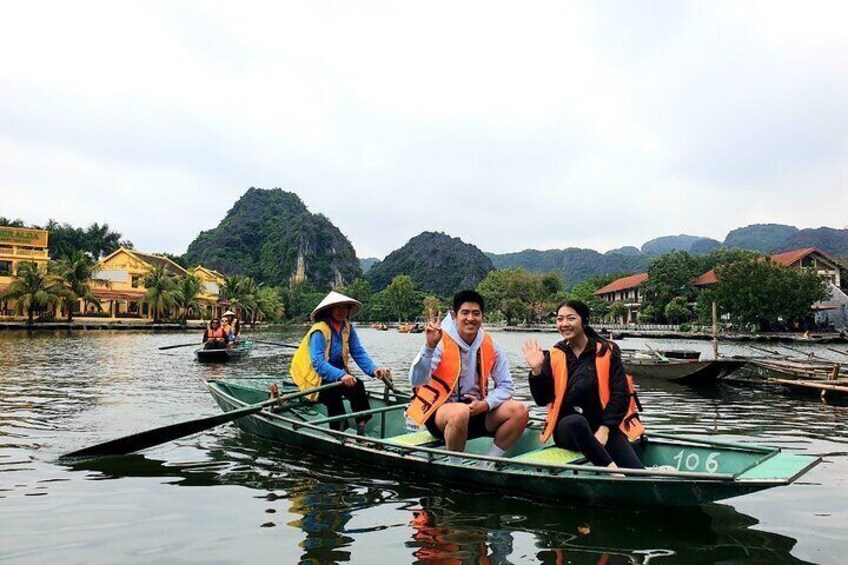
<point>269,303</point>
<point>161,288</point>
<point>77,270</point>
<point>186,295</point>
<point>240,291</point>
<point>34,290</point>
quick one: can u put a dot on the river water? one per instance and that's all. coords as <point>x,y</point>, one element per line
<point>224,497</point>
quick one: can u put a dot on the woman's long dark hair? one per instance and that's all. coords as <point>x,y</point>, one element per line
<point>585,313</point>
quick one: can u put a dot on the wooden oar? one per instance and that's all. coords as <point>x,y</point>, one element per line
<point>290,346</point>
<point>182,345</point>
<point>157,436</point>
<point>659,355</point>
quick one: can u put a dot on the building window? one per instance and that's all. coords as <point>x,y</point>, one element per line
<point>5,268</point>
<point>136,281</point>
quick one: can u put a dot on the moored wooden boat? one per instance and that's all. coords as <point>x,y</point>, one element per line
<point>681,370</point>
<point>239,350</point>
<point>680,471</point>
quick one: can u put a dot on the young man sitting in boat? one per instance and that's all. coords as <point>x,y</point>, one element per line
<point>450,378</point>
<point>323,358</point>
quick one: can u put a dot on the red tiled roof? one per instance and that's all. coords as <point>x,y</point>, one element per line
<point>787,258</point>
<point>623,284</point>
<point>707,278</point>
<point>790,257</point>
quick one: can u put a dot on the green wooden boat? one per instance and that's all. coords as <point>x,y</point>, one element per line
<point>679,471</point>
<point>237,351</point>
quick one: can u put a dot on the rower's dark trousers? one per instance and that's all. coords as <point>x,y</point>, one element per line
<point>333,399</point>
<point>573,432</point>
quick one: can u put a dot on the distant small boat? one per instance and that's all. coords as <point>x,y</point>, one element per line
<point>239,350</point>
<point>690,354</point>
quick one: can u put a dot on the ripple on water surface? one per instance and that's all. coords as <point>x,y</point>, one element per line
<point>250,499</point>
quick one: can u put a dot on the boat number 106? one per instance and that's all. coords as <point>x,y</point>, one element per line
<point>692,461</point>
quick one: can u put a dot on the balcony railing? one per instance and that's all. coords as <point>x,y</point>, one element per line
<point>22,251</point>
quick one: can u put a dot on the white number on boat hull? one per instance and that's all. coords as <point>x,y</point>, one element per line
<point>692,461</point>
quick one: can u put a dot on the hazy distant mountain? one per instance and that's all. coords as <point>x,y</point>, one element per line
<point>765,238</point>
<point>703,246</point>
<point>367,263</point>
<point>574,265</point>
<point>626,250</point>
<point>271,236</point>
<point>830,240</point>
<point>438,264</point>
<point>669,243</point>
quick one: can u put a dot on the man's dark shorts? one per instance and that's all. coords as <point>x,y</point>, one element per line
<point>476,427</point>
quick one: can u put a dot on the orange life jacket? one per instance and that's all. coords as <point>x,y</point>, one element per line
<point>630,425</point>
<point>429,397</point>
<point>215,334</point>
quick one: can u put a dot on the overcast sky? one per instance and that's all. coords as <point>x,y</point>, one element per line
<point>511,125</point>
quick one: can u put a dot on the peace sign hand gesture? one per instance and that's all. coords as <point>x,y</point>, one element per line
<point>433,331</point>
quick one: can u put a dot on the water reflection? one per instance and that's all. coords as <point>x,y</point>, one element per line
<point>66,391</point>
<point>339,511</point>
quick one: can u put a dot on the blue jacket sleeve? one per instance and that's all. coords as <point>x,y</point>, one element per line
<point>504,387</point>
<point>328,373</point>
<point>423,365</point>
<point>360,355</point>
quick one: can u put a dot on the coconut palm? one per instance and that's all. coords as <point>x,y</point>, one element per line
<point>269,303</point>
<point>240,291</point>
<point>161,290</point>
<point>34,290</point>
<point>77,270</point>
<point>187,293</point>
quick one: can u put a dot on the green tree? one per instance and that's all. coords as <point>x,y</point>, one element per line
<point>240,291</point>
<point>512,292</point>
<point>432,307</point>
<point>617,312</point>
<point>677,310</point>
<point>760,291</point>
<point>160,292</point>
<point>187,294</point>
<point>584,293</point>
<point>77,271</point>
<point>401,297</point>
<point>668,278</point>
<point>34,290</point>
<point>269,303</point>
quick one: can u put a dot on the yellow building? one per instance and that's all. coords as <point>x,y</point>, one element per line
<point>119,283</point>
<point>212,282</point>
<point>19,245</point>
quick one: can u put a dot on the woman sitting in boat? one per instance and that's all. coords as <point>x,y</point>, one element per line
<point>214,336</point>
<point>591,405</point>
<point>323,358</point>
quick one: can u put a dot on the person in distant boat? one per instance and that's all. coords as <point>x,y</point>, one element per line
<point>591,403</point>
<point>214,336</point>
<point>323,358</point>
<point>450,379</point>
<point>232,325</point>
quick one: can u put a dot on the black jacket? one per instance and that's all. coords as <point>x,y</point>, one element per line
<point>581,394</point>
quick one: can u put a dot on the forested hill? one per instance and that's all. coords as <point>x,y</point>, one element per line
<point>271,236</point>
<point>573,265</point>
<point>438,264</point>
<point>576,265</point>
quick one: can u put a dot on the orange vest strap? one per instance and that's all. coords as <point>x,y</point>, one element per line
<point>429,397</point>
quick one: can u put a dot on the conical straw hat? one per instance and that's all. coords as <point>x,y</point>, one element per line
<point>337,298</point>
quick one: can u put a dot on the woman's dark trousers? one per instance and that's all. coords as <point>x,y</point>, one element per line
<point>573,432</point>
<point>333,399</point>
